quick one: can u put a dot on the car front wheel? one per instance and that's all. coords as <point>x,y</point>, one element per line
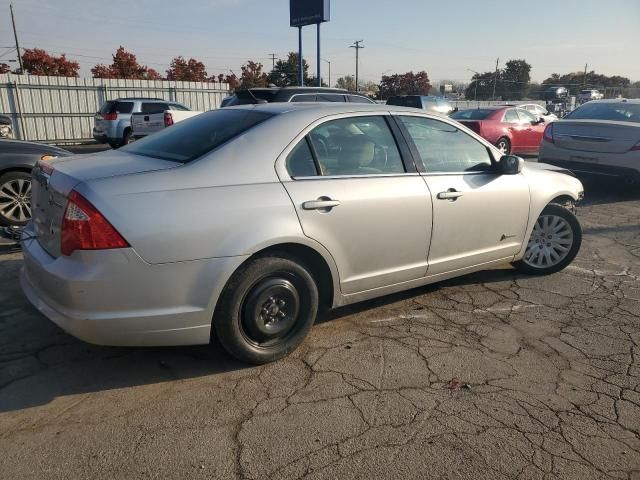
<point>554,242</point>
<point>504,145</point>
<point>15,199</point>
<point>266,309</point>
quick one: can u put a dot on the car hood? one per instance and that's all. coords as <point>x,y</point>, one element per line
<point>545,166</point>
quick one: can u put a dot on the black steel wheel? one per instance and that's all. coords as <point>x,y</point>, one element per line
<point>266,309</point>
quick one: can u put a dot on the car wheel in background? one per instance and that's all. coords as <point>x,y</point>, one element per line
<point>504,145</point>
<point>15,199</point>
<point>126,138</point>
<point>266,309</point>
<point>554,242</point>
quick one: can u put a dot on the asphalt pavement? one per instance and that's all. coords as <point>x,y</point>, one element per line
<point>494,375</point>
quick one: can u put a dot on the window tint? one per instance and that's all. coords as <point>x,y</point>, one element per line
<point>444,148</point>
<point>526,117</point>
<point>359,99</point>
<point>124,107</point>
<point>192,138</point>
<point>511,116</point>
<point>108,107</point>
<point>300,161</point>
<point>154,107</point>
<point>475,114</point>
<point>113,107</point>
<point>304,98</point>
<point>356,146</point>
<point>409,101</point>
<point>328,97</point>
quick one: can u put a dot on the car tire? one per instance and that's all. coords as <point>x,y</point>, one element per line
<point>557,230</point>
<point>15,187</point>
<point>504,145</point>
<point>114,144</point>
<point>126,137</point>
<point>266,309</point>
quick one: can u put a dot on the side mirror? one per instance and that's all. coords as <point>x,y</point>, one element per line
<point>510,165</point>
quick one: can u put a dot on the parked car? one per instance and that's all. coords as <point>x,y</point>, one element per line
<point>153,118</point>
<point>112,123</point>
<point>241,223</point>
<point>294,94</point>
<point>588,95</point>
<point>539,111</point>
<point>555,94</point>
<point>511,129</point>
<point>17,159</point>
<point>5,127</point>
<point>429,104</point>
<point>598,138</point>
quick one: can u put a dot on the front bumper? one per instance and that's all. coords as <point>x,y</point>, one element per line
<point>113,297</point>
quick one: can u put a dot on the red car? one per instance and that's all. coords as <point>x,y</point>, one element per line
<point>512,130</point>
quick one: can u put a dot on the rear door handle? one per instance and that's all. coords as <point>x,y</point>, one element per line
<point>450,194</point>
<point>322,203</point>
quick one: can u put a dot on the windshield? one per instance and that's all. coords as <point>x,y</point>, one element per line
<point>196,136</point>
<point>619,111</point>
<point>475,114</point>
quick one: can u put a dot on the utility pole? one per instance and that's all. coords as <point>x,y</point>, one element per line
<point>495,80</point>
<point>357,46</point>
<point>328,63</point>
<point>15,34</point>
<point>273,60</point>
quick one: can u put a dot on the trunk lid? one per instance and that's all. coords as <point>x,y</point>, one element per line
<point>143,124</point>
<point>49,192</point>
<point>603,136</point>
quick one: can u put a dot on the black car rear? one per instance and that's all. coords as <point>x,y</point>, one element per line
<point>253,96</point>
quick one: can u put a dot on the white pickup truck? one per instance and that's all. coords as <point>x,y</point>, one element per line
<point>156,116</point>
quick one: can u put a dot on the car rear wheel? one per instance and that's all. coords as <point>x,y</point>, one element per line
<point>266,309</point>
<point>504,145</point>
<point>554,242</point>
<point>15,199</point>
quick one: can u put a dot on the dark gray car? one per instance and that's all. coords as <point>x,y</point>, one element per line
<point>17,159</point>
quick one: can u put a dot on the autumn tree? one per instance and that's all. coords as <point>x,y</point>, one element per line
<point>404,84</point>
<point>191,70</point>
<point>125,65</point>
<point>252,75</point>
<point>231,80</point>
<point>38,62</point>
<point>285,72</point>
<point>4,68</point>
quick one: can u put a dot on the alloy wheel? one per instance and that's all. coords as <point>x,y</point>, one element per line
<point>15,200</point>
<point>550,242</point>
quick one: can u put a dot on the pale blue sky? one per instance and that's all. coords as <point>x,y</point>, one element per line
<point>445,38</point>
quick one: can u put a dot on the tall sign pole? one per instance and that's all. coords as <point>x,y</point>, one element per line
<point>300,61</point>
<point>308,12</point>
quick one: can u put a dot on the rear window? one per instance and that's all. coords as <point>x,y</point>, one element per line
<point>154,107</point>
<point>360,99</point>
<point>190,139</point>
<point>246,97</point>
<point>475,114</point>
<point>414,102</point>
<point>619,111</point>
<point>112,107</point>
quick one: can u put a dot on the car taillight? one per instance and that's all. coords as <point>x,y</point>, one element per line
<point>85,228</point>
<point>110,116</point>
<point>548,134</point>
<point>44,166</point>
<point>168,119</point>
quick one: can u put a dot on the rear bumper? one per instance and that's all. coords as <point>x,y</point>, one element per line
<point>592,163</point>
<point>115,298</point>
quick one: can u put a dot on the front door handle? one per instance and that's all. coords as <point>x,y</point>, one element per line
<point>451,194</point>
<point>322,204</point>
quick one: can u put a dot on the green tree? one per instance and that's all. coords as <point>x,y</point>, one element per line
<point>347,82</point>
<point>514,80</point>
<point>481,86</point>
<point>285,72</point>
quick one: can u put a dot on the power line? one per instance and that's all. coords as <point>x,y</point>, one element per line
<point>357,46</point>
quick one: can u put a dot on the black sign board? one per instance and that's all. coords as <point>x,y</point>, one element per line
<point>308,12</point>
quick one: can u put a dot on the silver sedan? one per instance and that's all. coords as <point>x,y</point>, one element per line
<point>243,223</point>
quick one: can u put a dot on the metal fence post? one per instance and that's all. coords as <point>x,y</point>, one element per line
<point>18,108</point>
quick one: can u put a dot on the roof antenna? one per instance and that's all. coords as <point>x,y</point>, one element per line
<point>257,100</point>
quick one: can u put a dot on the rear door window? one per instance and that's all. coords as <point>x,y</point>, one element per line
<point>309,97</point>
<point>511,116</point>
<point>359,99</point>
<point>330,97</point>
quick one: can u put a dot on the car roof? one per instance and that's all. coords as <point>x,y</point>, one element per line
<point>298,89</point>
<point>634,101</point>
<point>324,108</point>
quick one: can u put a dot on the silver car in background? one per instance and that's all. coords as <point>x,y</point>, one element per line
<point>242,223</point>
<point>602,137</point>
